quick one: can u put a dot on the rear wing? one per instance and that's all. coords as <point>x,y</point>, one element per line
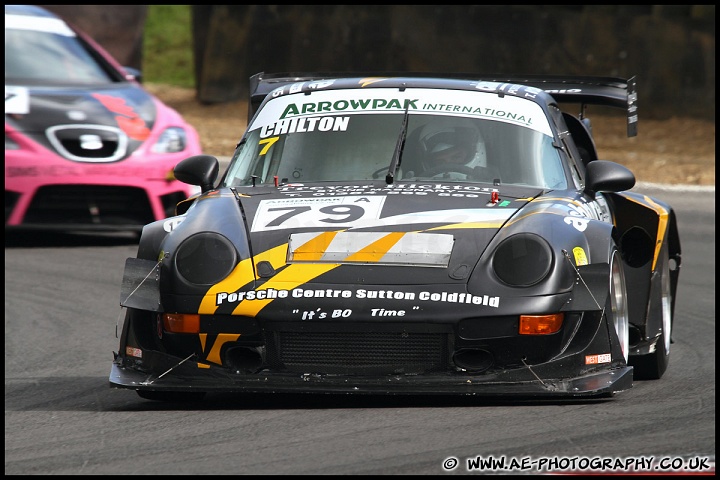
<point>583,90</point>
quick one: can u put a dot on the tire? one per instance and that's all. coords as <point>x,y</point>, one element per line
<point>618,313</point>
<point>168,396</point>
<point>653,365</point>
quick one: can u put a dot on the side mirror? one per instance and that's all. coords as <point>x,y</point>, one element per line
<point>133,74</point>
<point>606,176</point>
<point>201,170</point>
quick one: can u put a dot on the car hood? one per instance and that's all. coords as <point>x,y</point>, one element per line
<point>72,121</point>
<point>401,234</point>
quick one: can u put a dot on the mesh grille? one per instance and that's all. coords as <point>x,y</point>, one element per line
<point>88,204</point>
<point>358,352</point>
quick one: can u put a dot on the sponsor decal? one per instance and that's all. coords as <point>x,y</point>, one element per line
<point>116,170</point>
<point>133,352</point>
<point>580,257</point>
<point>355,211</point>
<point>360,294</point>
<point>172,223</point>
<point>22,172</point>
<point>315,212</point>
<point>442,190</point>
<point>365,104</point>
<point>297,87</point>
<point>17,99</point>
<point>596,210</point>
<point>319,314</point>
<point>303,125</point>
<point>597,359</point>
<point>331,103</point>
<point>38,24</point>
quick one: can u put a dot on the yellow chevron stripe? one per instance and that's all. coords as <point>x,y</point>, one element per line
<point>299,273</point>
<point>222,338</point>
<point>287,279</point>
<point>488,224</point>
<point>313,250</point>
<point>377,249</point>
<point>663,216</point>
<point>277,256</point>
<point>241,275</point>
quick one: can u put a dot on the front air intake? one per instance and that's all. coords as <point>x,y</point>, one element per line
<point>366,353</point>
<point>474,360</point>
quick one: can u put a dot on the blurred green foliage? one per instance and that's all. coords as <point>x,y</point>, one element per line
<point>168,46</point>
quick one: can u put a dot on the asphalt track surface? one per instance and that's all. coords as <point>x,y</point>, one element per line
<point>61,417</point>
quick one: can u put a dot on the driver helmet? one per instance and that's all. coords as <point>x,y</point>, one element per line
<point>451,141</point>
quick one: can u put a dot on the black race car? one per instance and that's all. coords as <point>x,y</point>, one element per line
<point>406,235</point>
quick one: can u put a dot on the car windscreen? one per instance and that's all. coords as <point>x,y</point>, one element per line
<point>440,135</point>
<point>44,51</point>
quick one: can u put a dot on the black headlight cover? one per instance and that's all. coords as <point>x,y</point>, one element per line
<point>522,260</point>
<point>205,258</point>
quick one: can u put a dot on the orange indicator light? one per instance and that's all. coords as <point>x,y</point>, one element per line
<point>181,323</point>
<point>540,324</point>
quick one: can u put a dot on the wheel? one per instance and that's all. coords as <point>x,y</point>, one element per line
<point>618,303</point>
<point>168,396</point>
<point>653,365</point>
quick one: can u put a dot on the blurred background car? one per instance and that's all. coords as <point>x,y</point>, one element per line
<point>86,146</point>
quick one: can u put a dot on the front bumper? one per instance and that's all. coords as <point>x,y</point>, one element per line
<point>190,376</point>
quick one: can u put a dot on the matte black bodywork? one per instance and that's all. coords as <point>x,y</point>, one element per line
<point>284,310</point>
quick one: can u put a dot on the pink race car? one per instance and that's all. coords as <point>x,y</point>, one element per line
<point>86,147</point>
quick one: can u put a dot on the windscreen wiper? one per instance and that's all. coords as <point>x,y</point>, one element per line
<point>395,162</point>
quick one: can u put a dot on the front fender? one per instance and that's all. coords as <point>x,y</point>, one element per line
<point>575,241</point>
<point>141,278</point>
<point>646,227</point>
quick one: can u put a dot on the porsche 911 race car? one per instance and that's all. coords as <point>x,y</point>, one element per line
<point>86,147</point>
<point>406,235</point>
